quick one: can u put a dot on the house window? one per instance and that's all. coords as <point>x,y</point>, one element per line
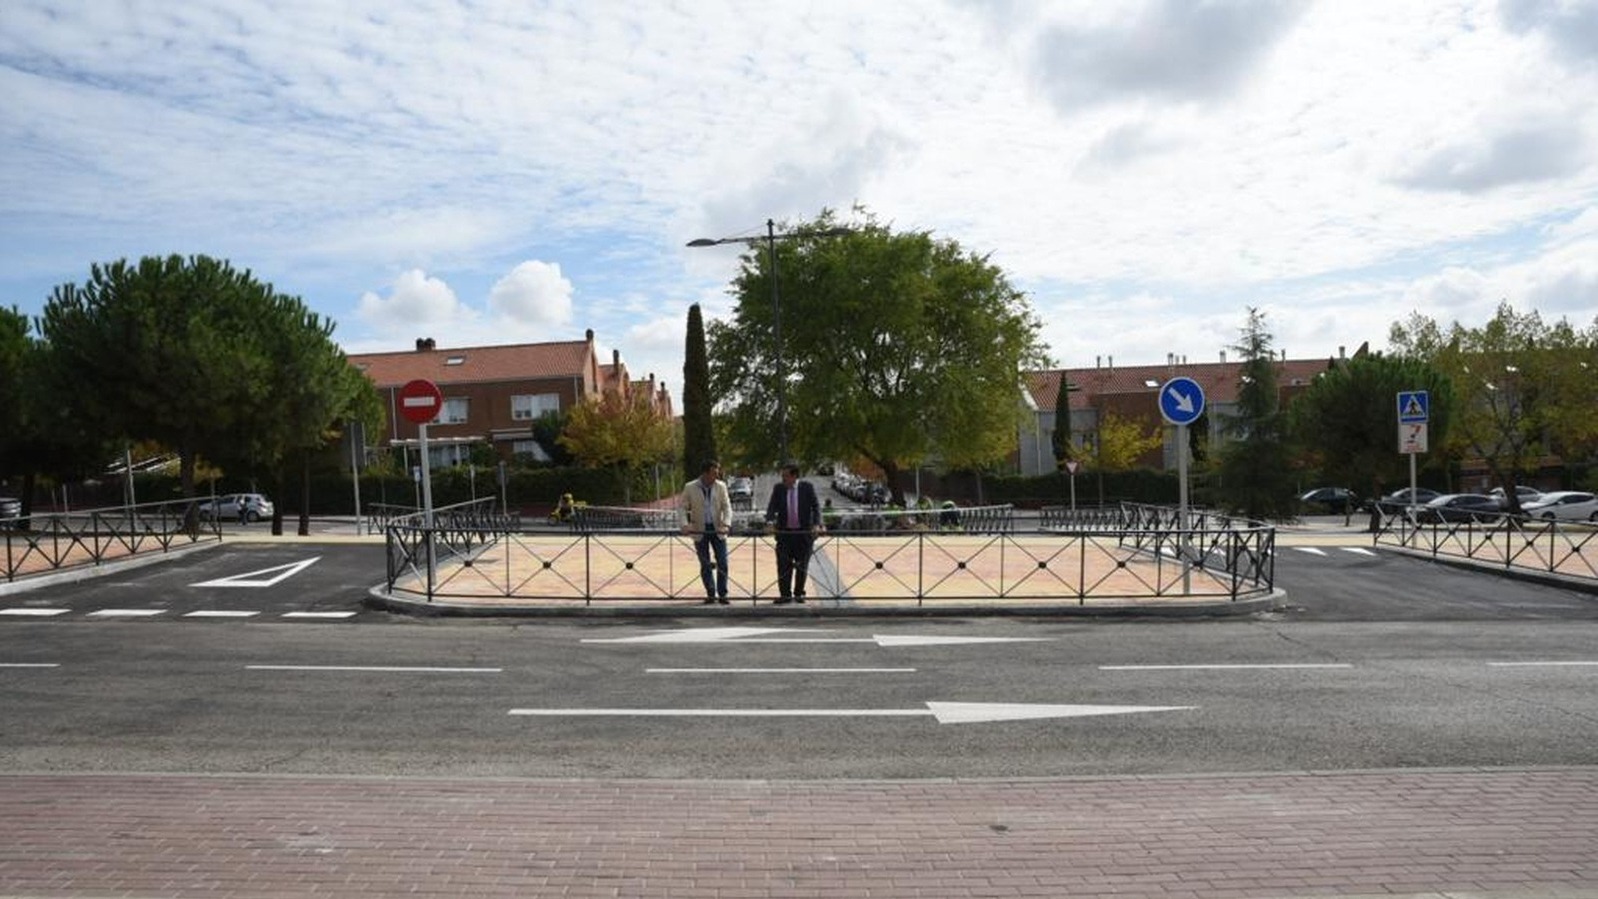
<point>529,406</point>
<point>455,411</point>
<point>530,449</point>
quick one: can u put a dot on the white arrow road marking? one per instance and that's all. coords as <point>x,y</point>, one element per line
<point>34,613</point>
<point>944,712</point>
<point>1312,550</point>
<point>255,579</point>
<point>754,635</point>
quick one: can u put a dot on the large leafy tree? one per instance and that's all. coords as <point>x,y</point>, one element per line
<point>698,428</point>
<point>618,432</point>
<point>1523,388</point>
<point>199,357</point>
<point>1254,475</point>
<point>1349,416</point>
<point>899,348</point>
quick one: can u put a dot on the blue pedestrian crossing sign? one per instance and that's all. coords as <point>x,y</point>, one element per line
<point>1414,407</point>
<point>1181,401</point>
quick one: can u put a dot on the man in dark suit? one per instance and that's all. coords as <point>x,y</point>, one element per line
<point>794,514</point>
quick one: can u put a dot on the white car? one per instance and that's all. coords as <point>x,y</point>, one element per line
<point>226,508</point>
<point>1565,505</point>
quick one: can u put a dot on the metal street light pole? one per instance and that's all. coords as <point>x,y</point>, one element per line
<point>776,312</point>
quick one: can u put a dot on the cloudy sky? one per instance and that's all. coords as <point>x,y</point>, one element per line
<point>486,172</point>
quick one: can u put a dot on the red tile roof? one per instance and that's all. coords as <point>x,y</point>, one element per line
<point>476,365</point>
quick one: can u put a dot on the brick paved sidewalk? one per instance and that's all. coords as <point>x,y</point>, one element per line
<point>1495,832</point>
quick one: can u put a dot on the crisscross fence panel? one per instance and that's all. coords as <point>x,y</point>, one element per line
<point>1565,548</point>
<point>52,541</point>
<point>1216,559</point>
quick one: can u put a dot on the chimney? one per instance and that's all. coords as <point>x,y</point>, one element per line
<point>1342,352</point>
<point>1098,361</point>
<point>422,344</point>
<point>1110,364</point>
<point>615,358</point>
<point>1223,357</point>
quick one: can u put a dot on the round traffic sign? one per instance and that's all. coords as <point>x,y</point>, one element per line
<point>420,401</point>
<point>1181,401</point>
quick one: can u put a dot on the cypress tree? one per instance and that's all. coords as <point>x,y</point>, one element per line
<point>699,438</point>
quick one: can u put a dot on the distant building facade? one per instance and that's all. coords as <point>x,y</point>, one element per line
<point>1132,393</point>
<point>494,394</point>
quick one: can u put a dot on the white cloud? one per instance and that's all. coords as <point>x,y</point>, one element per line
<point>416,301</point>
<point>534,293</point>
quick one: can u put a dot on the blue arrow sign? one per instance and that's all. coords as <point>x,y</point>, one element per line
<point>1181,401</point>
<point>1414,407</point>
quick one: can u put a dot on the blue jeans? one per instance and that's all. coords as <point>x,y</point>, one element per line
<point>707,541</point>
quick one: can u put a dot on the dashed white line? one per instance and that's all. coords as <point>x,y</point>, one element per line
<point>375,669</point>
<point>779,670</point>
<point>318,614</point>
<point>29,665</point>
<point>1570,664</point>
<point>1222,667</point>
<point>34,613</point>
<point>220,613</point>
<point>127,613</point>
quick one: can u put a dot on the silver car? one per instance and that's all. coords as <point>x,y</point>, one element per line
<point>1565,505</point>
<point>226,508</point>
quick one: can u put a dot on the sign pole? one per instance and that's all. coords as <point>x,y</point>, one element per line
<point>1181,505</point>
<point>1181,402</point>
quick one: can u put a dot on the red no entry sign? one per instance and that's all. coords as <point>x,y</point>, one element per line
<point>420,401</point>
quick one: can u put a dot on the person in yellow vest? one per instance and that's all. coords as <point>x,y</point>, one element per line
<point>707,517</point>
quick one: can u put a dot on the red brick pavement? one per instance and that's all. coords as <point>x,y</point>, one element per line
<point>1493,832</point>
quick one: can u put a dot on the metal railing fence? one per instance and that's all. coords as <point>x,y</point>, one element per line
<point>51,541</point>
<point>1566,548</point>
<point>1150,558</point>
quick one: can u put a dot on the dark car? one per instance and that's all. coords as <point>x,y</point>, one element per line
<point>1399,500</point>
<point>10,507</point>
<point>1338,500</point>
<point>1460,507</point>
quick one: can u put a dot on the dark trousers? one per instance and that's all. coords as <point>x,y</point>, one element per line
<point>793,561</point>
<point>710,541</point>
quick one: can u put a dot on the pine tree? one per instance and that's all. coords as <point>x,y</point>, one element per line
<point>1255,480</point>
<point>1061,442</point>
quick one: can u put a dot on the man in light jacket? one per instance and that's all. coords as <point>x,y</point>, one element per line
<point>707,517</point>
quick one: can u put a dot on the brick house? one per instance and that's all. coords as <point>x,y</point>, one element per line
<point>1132,393</point>
<point>493,394</point>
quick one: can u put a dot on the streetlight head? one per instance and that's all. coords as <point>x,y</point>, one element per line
<point>835,232</point>
<point>703,242</point>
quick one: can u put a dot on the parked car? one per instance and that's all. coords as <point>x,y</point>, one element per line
<point>1460,507</point>
<point>10,507</point>
<point>1339,500</point>
<point>1566,505</point>
<point>1399,500</point>
<point>1526,495</point>
<point>226,508</point>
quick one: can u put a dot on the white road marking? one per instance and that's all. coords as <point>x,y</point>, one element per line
<point>127,613</point>
<point>219,613</point>
<point>1358,551</point>
<point>779,670</point>
<point>1572,664</point>
<point>254,579</point>
<point>378,669</point>
<point>758,635</point>
<point>318,614</point>
<point>944,712</point>
<point>1312,550</point>
<point>29,665</point>
<point>34,613</point>
<point>1248,667</point>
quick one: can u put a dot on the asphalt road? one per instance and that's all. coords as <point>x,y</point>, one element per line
<point>262,659</point>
